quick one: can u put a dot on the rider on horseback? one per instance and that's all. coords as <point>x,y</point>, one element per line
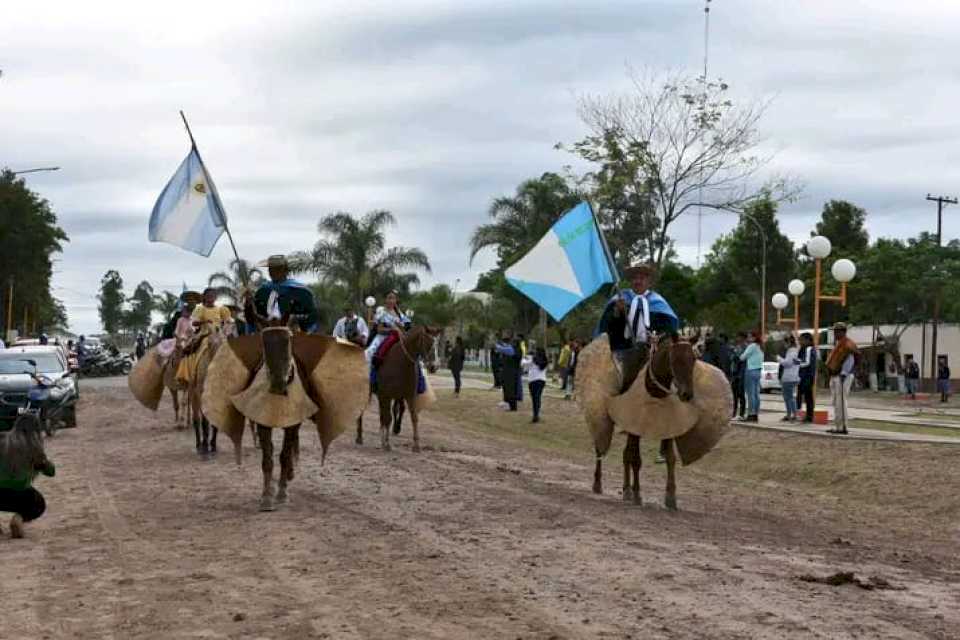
<point>206,318</point>
<point>629,319</point>
<point>282,297</point>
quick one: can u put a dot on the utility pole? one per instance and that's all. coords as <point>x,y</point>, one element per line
<point>940,200</point>
<point>9,310</point>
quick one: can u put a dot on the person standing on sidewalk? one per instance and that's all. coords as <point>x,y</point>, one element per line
<point>790,379</point>
<point>840,366</point>
<point>911,376</point>
<point>752,357</point>
<point>737,371</point>
<point>455,362</point>
<point>808,371</point>
<point>943,378</point>
<point>537,374</point>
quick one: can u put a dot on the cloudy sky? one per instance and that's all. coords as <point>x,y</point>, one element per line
<point>432,108</point>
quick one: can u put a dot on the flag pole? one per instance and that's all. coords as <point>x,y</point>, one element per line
<point>233,246</point>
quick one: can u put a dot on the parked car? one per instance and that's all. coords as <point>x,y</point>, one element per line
<point>770,377</point>
<point>17,379</point>
<point>68,359</point>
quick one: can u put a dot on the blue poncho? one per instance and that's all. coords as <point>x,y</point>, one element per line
<point>662,316</point>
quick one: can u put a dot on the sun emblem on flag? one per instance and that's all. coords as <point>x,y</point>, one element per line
<point>200,188</point>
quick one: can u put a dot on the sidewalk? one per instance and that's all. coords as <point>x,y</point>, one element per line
<point>770,420</point>
<point>775,405</point>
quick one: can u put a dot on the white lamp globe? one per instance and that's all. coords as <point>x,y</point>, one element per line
<point>410,313</point>
<point>370,301</point>
<point>844,270</point>
<point>818,247</point>
<point>796,287</point>
<point>780,301</point>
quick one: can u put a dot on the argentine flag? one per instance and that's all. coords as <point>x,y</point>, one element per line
<point>189,214</point>
<point>567,266</point>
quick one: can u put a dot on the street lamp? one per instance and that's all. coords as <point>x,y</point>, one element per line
<point>780,302</point>
<point>843,271</point>
<point>370,302</point>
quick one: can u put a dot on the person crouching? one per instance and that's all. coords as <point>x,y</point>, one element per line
<point>21,459</point>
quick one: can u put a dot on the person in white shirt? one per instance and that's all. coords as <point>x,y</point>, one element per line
<point>536,368</point>
<point>840,365</point>
<point>351,328</point>
<point>790,378</point>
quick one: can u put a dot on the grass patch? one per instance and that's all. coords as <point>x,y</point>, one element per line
<point>900,427</point>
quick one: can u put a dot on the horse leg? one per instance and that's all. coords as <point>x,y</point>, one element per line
<point>385,418</point>
<point>213,437</point>
<point>288,455</point>
<point>666,448</point>
<point>253,432</point>
<point>627,462</point>
<point>415,419</point>
<point>176,407</point>
<point>359,439</point>
<point>633,444</point>
<point>598,475</point>
<point>265,435</point>
<point>397,416</point>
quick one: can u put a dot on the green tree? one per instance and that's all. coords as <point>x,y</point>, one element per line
<point>729,286</point>
<point>142,304</point>
<point>29,237</point>
<point>111,302</point>
<point>670,145</point>
<point>241,276</point>
<point>331,298</point>
<point>844,223</point>
<point>679,282</point>
<point>353,253</point>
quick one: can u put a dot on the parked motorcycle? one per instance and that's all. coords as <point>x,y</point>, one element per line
<point>50,404</point>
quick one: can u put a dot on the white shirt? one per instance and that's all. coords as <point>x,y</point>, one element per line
<point>534,372</point>
<point>791,367</point>
<point>340,330</point>
<point>638,318</point>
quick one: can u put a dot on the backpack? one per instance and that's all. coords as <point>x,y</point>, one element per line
<point>913,371</point>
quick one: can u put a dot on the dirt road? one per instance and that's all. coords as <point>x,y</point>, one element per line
<point>470,539</point>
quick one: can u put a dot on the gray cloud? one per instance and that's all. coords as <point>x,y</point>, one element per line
<point>431,108</point>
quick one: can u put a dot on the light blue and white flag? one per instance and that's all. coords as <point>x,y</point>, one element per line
<point>189,214</point>
<point>567,266</point>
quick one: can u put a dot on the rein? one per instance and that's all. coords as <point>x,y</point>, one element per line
<point>403,347</point>
<point>651,379</point>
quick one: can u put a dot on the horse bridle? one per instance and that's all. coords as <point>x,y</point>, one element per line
<point>403,347</point>
<point>652,379</point>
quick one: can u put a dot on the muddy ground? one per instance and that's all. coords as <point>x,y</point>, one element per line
<point>479,536</point>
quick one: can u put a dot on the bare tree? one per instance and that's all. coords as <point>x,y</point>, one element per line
<point>673,143</point>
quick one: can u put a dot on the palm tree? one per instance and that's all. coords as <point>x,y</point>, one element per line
<point>232,284</point>
<point>352,252</point>
<point>522,220</point>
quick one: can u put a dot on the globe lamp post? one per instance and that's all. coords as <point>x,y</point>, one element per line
<point>780,302</point>
<point>843,271</point>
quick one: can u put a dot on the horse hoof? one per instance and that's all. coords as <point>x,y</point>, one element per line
<point>396,431</point>
<point>637,500</point>
<point>670,503</point>
<point>359,441</point>
<point>626,496</point>
<point>282,496</point>
<point>387,447</point>
<point>266,503</point>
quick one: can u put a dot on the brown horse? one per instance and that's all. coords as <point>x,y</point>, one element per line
<point>176,388</point>
<point>670,370</point>
<point>397,379</point>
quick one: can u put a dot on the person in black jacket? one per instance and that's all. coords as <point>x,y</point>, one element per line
<point>737,369</point>
<point>455,362</point>
<point>808,370</point>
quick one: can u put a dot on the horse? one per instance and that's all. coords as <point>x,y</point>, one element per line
<point>397,379</point>
<point>176,387</point>
<point>670,370</point>
<point>206,442</point>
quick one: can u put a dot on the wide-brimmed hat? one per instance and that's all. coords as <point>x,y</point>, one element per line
<point>637,269</point>
<point>278,260</point>
<point>191,297</point>
<point>840,326</point>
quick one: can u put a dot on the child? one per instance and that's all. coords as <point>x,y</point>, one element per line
<point>21,459</point>
<point>537,372</point>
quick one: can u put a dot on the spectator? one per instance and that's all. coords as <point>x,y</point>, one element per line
<point>737,375</point>
<point>808,370</point>
<point>23,460</point>
<point>711,353</point>
<point>911,376</point>
<point>752,357</point>
<point>840,367</point>
<point>496,365</point>
<point>352,328</point>
<point>563,364</point>
<point>572,374</point>
<point>537,373</point>
<point>141,347</point>
<point>510,358</point>
<point>725,354</point>
<point>790,378</point>
<point>943,378</point>
<point>455,362</point>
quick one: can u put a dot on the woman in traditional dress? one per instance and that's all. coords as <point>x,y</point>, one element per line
<point>389,321</point>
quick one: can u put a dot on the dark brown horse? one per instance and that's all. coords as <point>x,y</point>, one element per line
<point>669,371</point>
<point>397,380</point>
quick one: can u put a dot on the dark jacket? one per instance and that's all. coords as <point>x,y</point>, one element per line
<point>807,373</point>
<point>510,372</point>
<point>457,356</point>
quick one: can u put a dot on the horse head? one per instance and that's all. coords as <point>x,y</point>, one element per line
<point>419,344</point>
<point>278,354</point>
<point>672,365</point>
